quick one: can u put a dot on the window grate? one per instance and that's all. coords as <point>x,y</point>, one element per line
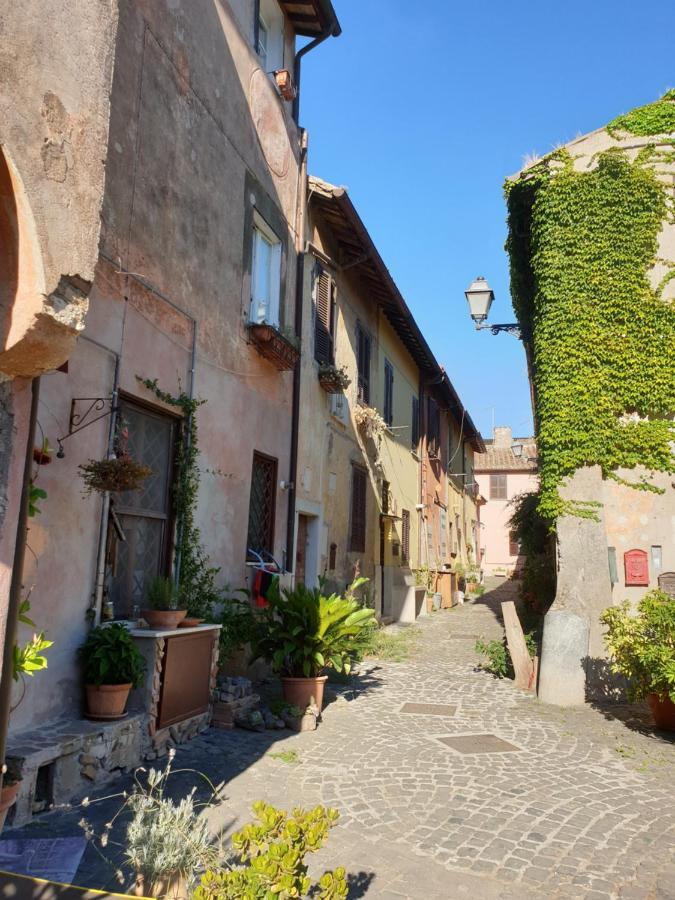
<point>262,504</point>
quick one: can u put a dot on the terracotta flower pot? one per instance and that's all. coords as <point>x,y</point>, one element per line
<point>190,622</point>
<point>163,618</point>
<point>107,700</point>
<point>169,887</point>
<point>663,710</point>
<point>301,692</point>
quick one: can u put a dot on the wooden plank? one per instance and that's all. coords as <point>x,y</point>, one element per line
<point>522,664</point>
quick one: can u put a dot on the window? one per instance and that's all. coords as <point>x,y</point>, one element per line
<point>265,275</point>
<point>261,48</point>
<point>433,428</point>
<point>363,364</point>
<point>388,392</point>
<point>405,537</point>
<point>514,546</point>
<point>324,317</point>
<point>415,427</point>
<point>357,536</point>
<point>262,504</point>
<point>143,516</point>
<point>498,487</point>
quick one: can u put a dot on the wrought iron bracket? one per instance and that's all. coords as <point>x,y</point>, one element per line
<point>80,420</point>
<point>509,328</point>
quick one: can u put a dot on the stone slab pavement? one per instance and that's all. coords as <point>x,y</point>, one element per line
<point>583,807</point>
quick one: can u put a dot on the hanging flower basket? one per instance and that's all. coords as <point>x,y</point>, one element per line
<point>333,380</point>
<point>121,473</point>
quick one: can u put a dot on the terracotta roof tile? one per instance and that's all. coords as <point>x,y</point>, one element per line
<point>503,459</point>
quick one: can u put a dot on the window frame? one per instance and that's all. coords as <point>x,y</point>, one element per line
<point>262,232</point>
<point>501,492</point>
<point>264,457</point>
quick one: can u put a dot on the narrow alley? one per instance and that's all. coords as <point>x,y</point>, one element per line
<point>531,801</point>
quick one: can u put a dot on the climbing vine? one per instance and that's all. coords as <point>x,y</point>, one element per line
<point>581,247</point>
<point>196,578</point>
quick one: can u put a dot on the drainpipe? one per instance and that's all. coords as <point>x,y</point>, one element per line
<point>16,585</point>
<point>332,30</point>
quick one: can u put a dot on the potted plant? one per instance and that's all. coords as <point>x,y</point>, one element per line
<point>43,455</point>
<point>113,664</point>
<point>304,633</point>
<point>162,600</point>
<point>333,379</point>
<point>11,783</point>
<point>120,473</point>
<point>642,647</point>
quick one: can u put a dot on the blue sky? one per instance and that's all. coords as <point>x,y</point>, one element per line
<point>422,109</point>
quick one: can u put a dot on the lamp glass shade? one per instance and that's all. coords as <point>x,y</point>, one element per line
<point>517,450</point>
<point>479,296</point>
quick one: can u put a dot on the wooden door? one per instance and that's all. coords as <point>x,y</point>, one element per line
<point>301,550</point>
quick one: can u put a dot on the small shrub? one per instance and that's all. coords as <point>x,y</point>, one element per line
<point>497,657</point>
<point>161,593</point>
<point>110,656</point>
<point>271,859</point>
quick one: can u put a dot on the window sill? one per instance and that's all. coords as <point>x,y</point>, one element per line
<point>274,346</point>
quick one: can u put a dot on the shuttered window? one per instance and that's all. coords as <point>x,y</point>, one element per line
<point>261,510</point>
<point>357,537</point>
<point>324,317</point>
<point>433,427</point>
<point>415,425</point>
<point>498,487</point>
<point>388,392</point>
<point>514,546</point>
<point>363,364</point>
<point>405,537</point>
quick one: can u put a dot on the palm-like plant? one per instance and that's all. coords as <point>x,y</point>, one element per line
<point>304,632</point>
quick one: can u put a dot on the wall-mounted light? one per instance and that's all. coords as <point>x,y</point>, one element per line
<point>480,296</point>
<point>517,450</point>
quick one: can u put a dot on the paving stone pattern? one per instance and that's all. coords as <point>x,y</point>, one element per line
<point>583,808</point>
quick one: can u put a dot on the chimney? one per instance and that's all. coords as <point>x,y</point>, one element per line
<point>503,437</point>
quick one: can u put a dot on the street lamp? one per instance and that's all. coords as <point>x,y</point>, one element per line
<point>479,296</point>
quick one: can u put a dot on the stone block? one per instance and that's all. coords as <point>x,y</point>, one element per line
<point>562,670</point>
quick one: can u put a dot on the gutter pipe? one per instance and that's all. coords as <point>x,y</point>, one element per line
<point>331,30</point>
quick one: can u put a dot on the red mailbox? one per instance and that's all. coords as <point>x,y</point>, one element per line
<point>636,567</point>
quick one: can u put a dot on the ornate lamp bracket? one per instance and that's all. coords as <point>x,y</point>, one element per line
<point>81,416</point>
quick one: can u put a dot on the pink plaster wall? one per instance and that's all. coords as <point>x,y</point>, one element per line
<point>494,516</point>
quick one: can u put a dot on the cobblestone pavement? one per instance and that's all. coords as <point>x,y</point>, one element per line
<point>583,808</point>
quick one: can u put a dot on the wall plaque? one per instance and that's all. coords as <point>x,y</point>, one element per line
<point>667,583</point>
<point>636,567</point>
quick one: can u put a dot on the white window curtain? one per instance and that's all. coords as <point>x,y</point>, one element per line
<point>265,278</point>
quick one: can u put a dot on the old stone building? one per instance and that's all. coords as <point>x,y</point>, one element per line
<point>592,248</point>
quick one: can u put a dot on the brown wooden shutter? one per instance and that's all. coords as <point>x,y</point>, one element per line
<point>323,318</point>
<point>405,537</point>
<point>358,524</point>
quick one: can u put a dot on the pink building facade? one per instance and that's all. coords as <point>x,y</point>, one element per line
<point>506,469</point>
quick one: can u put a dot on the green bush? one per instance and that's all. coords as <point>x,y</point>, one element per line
<point>110,656</point>
<point>303,632</point>
<point>642,646</point>
<point>239,625</point>
<point>271,860</point>
<point>497,657</point>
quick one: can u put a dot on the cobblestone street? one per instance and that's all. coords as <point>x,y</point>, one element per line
<point>583,807</point>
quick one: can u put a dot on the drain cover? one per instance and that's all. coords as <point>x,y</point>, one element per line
<point>478,743</point>
<point>429,709</point>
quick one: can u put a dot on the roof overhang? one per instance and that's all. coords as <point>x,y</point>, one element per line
<point>358,252</point>
<point>312,18</point>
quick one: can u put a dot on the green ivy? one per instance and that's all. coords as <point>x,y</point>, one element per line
<point>581,246</point>
<point>654,118</point>
<point>197,579</point>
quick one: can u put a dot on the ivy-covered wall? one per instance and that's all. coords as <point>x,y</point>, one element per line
<point>585,232</point>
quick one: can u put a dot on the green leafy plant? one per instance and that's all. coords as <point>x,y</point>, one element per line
<point>35,495</point>
<point>271,859</point>
<point>239,624</point>
<point>642,646</point>
<point>199,593</point>
<point>110,656</point>
<point>121,473</point>
<point>534,535</point>
<point>290,757</point>
<point>496,656</point>
<point>161,593</point>
<point>304,632</point>
<point>30,658</point>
